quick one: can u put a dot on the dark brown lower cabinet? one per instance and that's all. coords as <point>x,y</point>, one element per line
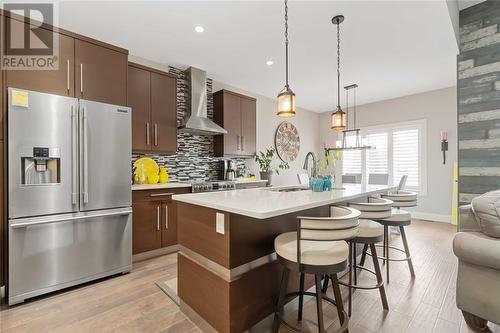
<point>146,226</point>
<point>154,219</point>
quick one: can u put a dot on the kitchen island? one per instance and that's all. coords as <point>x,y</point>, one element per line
<point>228,275</point>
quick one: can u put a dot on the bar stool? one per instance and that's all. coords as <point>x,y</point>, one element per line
<point>400,218</point>
<point>369,234</point>
<point>318,247</point>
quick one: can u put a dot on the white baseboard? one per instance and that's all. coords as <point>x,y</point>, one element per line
<point>431,217</point>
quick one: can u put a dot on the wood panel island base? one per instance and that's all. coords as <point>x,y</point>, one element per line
<point>227,269</point>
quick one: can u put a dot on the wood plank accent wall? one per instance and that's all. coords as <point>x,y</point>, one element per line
<point>479,100</point>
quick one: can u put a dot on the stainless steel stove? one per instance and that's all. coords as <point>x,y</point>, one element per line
<point>222,185</point>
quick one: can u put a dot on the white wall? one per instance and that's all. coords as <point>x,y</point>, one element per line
<point>439,108</point>
<point>307,124</point>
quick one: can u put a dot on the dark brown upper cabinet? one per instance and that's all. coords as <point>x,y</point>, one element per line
<point>237,114</point>
<point>87,68</point>
<point>139,99</point>
<point>101,73</point>
<point>60,81</point>
<point>152,95</point>
<point>164,112</point>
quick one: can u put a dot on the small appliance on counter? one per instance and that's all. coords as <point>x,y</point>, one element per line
<point>227,170</point>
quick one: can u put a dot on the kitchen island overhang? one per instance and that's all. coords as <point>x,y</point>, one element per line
<point>227,269</point>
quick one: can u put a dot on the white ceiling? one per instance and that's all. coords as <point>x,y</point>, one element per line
<point>390,48</point>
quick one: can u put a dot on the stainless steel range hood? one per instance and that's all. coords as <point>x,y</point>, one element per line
<point>195,119</point>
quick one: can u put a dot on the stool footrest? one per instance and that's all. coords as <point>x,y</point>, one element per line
<point>354,286</point>
<point>342,328</point>
<point>391,259</point>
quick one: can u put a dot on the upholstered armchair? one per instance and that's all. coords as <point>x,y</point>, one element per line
<point>477,246</point>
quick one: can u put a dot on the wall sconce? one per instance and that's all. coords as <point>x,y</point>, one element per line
<point>444,144</point>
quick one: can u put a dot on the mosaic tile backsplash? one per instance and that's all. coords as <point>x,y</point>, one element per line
<point>194,160</point>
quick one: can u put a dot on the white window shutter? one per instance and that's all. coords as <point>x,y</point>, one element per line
<point>406,156</point>
<point>351,159</point>
<point>377,159</point>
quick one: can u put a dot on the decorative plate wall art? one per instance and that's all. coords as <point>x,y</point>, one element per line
<point>287,141</point>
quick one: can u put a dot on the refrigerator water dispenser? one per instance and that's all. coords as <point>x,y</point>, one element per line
<point>42,167</point>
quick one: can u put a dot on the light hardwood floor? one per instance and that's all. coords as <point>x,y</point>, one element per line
<point>133,302</point>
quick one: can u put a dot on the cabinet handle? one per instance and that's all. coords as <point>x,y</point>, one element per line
<point>238,143</point>
<point>81,78</point>
<point>67,75</point>
<point>166,217</point>
<point>156,134</point>
<point>147,134</point>
<point>158,218</point>
<point>242,143</point>
<point>161,194</point>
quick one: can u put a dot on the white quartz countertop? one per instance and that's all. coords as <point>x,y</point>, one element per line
<point>262,203</point>
<point>137,187</point>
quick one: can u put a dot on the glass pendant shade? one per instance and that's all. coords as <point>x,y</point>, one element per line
<point>286,103</point>
<point>339,120</point>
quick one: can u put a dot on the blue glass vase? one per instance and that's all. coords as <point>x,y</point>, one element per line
<point>318,185</point>
<point>327,183</point>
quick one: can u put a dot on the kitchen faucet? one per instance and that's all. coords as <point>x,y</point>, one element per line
<point>306,164</point>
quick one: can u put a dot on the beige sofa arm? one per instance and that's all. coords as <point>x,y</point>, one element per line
<point>466,219</point>
<point>478,249</point>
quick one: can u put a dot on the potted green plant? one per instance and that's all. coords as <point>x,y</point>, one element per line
<point>267,165</point>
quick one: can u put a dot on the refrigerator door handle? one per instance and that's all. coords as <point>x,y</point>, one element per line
<point>67,218</point>
<point>85,157</point>
<point>74,155</point>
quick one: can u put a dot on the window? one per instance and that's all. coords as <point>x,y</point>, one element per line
<point>351,159</point>
<point>399,150</point>
<point>405,156</point>
<point>377,159</point>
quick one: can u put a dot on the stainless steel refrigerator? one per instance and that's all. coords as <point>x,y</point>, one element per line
<point>69,192</point>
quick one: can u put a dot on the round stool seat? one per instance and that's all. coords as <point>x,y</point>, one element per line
<point>313,253</point>
<point>399,217</point>
<point>369,232</point>
<point>402,198</point>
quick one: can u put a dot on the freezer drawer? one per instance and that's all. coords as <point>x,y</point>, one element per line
<point>51,253</point>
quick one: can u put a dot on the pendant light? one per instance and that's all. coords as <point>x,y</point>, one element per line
<point>339,118</point>
<point>349,130</point>
<point>286,98</point>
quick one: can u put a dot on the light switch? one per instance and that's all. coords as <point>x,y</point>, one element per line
<point>219,223</point>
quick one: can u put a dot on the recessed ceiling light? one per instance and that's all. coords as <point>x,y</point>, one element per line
<point>269,62</point>
<point>199,28</point>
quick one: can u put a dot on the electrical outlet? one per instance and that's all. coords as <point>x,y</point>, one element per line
<point>219,223</point>
<point>2,292</point>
